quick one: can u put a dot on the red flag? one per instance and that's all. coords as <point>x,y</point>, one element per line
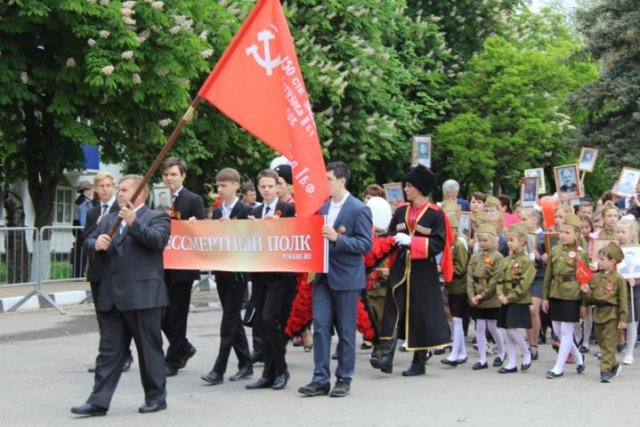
<point>258,84</point>
<point>583,272</point>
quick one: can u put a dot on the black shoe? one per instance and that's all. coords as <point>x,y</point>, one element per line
<point>281,381</point>
<point>89,410</point>
<point>452,363</point>
<point>580,368</point>
<point>534,353</point>
<point>153,407</point>
<point>92,369</point>
<point>439,351</point>
<point>170,371</point>
<point>479,366</point>
<point>213,378</point>
<point>384,360</point>
<point>551,375</point>
<point>365,346</point>
<point>341,389</point>
<point>497,362</point>
<point>242,374</point>
<point>315,389</point>
<point>185,359</point>
<point>428,355</point>
<point>461,361</point>
<point>261,383</point>
<point>606,376</point>
<point>256,357</point>
<point>127,364</point>
<point>507,371</point>
<point>525,367</point>
<point>583,349</point>
<point>414,370</point>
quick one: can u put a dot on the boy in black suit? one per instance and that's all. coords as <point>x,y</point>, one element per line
<point>231,288</point>
<point>185,206</point>
<point>272,292</point>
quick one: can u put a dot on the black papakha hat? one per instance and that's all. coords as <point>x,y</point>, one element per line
<point>422,178</point>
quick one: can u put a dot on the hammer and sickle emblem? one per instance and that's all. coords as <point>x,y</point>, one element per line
<point>267,62</point>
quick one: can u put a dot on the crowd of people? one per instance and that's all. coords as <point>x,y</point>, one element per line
<point>423,279</point>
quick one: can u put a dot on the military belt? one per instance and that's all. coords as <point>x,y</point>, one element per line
<point>566,278</point>
<point>603,304</point>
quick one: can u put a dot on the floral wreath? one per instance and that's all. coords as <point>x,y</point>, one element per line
<point>301,309</point>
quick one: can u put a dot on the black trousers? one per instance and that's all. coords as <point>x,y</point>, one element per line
<point>231,290</point>
<point>118,327</point>
<point>272,299</point>
<point>95,288</point>
<point>174,323</point>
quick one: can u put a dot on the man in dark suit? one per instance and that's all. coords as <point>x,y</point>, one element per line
<point>349,230</point>
<point>231,287</point>
<point>272,293</point>
<point>185,205</point>
<point>131,300</point>
<point>104,187</point>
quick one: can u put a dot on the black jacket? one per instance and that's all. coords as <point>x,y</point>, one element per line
<point>94,271</point>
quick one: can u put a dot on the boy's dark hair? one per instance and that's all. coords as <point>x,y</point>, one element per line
<point>374,190</point>
<point>246,187</point>
<point>340,170</point>
<point>174,161</point>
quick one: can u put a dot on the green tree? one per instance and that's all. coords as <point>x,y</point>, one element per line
<point>613,120</point>
<point>513,105</point>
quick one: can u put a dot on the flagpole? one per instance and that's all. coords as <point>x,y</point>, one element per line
<point>186,118</point>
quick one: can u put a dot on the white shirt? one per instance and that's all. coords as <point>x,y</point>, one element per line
<point>272,208</point>
<point>334,209</point>
<point>175,195</point>
<point>226,211</point>
<point>123,224</point>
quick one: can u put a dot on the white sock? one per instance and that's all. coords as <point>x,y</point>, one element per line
<point>555,324</point>
<point>511,351</point>
<point>632,337</point>
<point>566,346</point>
<point>497,337</point>
<point>518,341</point>
<point>458,350</point>
<point>481,339</point>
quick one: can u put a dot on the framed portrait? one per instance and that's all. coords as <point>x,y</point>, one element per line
<point>550,240</point>
<point>421,151</point>
<point>597,245</point>
<point>529,191</point>
<point>568,183</point>
<point>465,224</point>
<point>629,268</point>
<point>627,183</point>
<point>538,173</point>
<point>532,243</point>
<point>161,198</point>
<point>394,194</point>
<point>587,160</point>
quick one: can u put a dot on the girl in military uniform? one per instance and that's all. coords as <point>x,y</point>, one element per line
<point>518,272</point>
<point>561,296</point>
<point>483,276</point>
<point>458,302</point>
<point>627,232</point>
<point>608,292</point>
<point>610,220</point>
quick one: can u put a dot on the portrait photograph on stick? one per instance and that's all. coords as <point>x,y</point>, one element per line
<point>538,173</point>
<point>587,160</point>
<point>567,182</point>
<point>394,193</point>
<point>627,184</point>
<point>421,151</point>
<point>629,268</point>
<point>529,191</point>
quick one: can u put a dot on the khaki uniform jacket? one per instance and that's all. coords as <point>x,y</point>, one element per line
<point>560,278</point>
<point>608,292</point>
<point>483,275</point>
<point>518,272</point>
<point>458,284</point>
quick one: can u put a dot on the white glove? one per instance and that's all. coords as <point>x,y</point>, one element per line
<point>402,239</point>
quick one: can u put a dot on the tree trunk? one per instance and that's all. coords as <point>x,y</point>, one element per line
<point>17,256</point>
<point>496,185</point>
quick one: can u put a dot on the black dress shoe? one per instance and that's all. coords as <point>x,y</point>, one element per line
<point>189,355</point>
<point>148,408</point>
<point>452,363</point>
<point>525,367</point>
<point>170,371</point>
<point>127,364</point>
<point>256,357</point>
<point>314,389</point>
<point>580,368</point>
<point>89,410</point>
<point>414,370</point>
<point>281,381</point>
<point>341,389</point>
<point>508,371</point>
<point>497,362</point>
<point>534,353</point>
<point>461,361</point>
<point>479,365</point>
<point>261,383</point>
<point>551,375</point>
<point>242,374</point>
<point>213,378</point>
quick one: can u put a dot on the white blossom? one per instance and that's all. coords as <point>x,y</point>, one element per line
<point>157,5</point>
<point>206,53</point>
<point>71,62</point>
<point>183,81</point>
<point>129,4</point>
<point>127,54</point>
<point>136,79</point>
<point>175,29</point>
<point>203,35</point>
<point>24,77</point>
<point>127,11</point>
<point>105,2</point>
<point>108,70</point>
<point>128,21</point>
<point>91,42</point>
<point>104,34</point>
<point>162,72</point>
<point>143,36</point>
<point>164,122</point>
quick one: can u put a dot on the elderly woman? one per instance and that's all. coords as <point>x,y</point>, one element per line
<point>450,191</point>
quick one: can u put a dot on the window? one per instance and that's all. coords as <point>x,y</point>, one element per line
<point>63,206</point>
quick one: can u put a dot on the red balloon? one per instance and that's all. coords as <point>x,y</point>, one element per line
<point>549,205</point>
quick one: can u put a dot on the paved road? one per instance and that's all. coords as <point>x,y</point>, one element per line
<point>44,357</point>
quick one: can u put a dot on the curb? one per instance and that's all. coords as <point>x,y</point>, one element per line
<point>36,302</point>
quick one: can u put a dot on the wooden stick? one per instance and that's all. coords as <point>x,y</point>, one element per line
<point>633,309</point>
<point>186,118</point>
